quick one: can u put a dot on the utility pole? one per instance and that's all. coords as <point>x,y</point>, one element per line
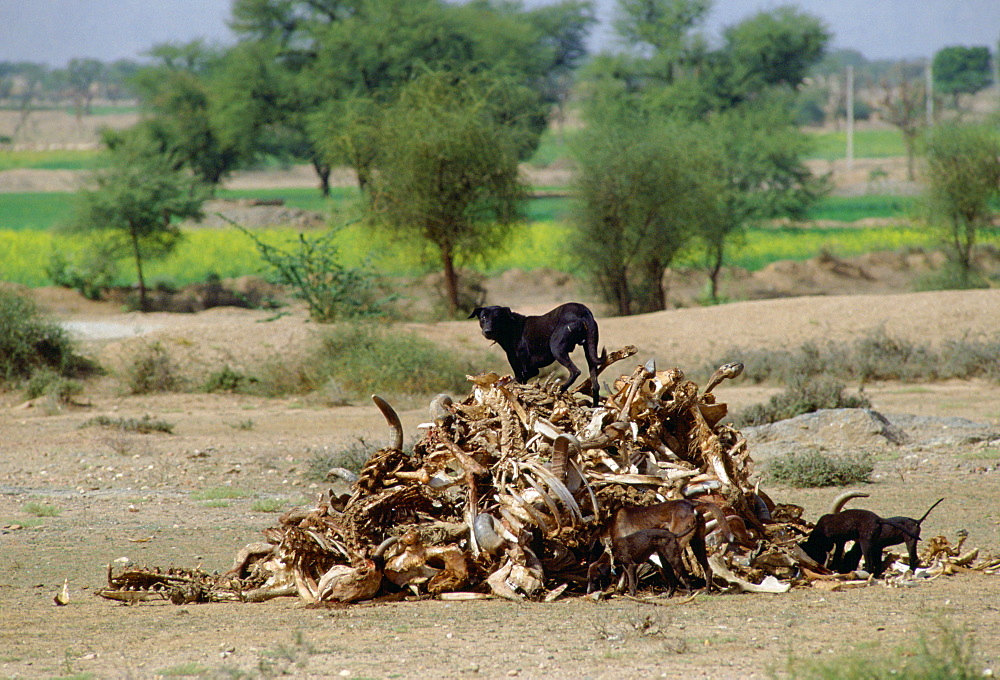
<point>929,73</point>
<point>850,118</point>
<point>996,72</point>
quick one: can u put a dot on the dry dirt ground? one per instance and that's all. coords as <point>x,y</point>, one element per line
<point>132,496</point>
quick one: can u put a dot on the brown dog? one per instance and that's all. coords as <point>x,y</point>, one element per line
<point>683,518</point>
<point>632,550</point>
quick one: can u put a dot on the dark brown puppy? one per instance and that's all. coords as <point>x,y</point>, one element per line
<point>681,517</point>
<point>632,550</point>
<point>534,342</point>
<point>893,531</point>
<point>834,530</point>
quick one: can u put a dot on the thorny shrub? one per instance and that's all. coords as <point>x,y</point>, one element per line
<point>145,425</point>
<point>804,394</point>
<point>351,457</point>
<point>314,271</point>
<point>29,342</point>
<point>945,654</point>
<point>813,468</point>
<point>877,355</point>
<point>151,370</point>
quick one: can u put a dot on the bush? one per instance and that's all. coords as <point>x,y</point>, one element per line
<point>874,356</point>
<point>228,380</point>
<point>314,271</point>
<point>49,383</point>
<point>89,271</point>
<point>364,359</point>
<point>144,425</point>
<point>29,342</point>
<point>803,395</point>
<point>151,371</point>
<point>352,457</point>
<point>946,654</point>
<point>814,469</point>
<point>41,509</point>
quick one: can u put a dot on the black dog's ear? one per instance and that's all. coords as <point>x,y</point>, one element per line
<point>476,312</point>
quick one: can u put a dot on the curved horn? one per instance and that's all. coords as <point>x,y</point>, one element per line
<point>440,407</point>
<point>342,473</point>
<point>563,447</point>
<point>395,427</point>
<point>730,370</point>
<point>841,500</point>
<point>385,545</point>
<point>486,534</point>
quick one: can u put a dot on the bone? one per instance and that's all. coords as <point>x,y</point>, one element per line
<point>395,427</point>
<point>515,465</point>
<point>768,585</point>
<point>724,372</point>
<point>841,500</point>
<point>486,534</point>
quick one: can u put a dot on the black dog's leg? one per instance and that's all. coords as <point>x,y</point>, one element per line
<point>561,343</point>
<point>630,570</point>
<point>911,546</point>
<point>872,552</point>
<point>850,562</point>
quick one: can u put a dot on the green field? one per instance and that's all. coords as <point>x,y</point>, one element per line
<point>878,143</point>
<point>881,143</point>
<point>28,234</point>
<point>854,208</point>
<point>35,211</point>
<point>52,160</point>
<point>25,254</point>
<point>553,147</point>
<point>46,210</point>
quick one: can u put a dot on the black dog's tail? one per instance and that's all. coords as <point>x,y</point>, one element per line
<point>921,520</point>
<point>900,528</point>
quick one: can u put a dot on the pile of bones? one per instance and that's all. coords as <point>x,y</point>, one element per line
<point>510,493</point>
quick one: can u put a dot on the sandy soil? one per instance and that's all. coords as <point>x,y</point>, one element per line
<point>130,496</point>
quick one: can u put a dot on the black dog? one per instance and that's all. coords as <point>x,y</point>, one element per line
<point>893,531</point>
<point>533,342</point>
<point>863,527</point>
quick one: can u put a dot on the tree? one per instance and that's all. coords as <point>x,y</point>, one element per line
<point>563,27</point>
<point>769,49</point>
<point>663,30</point>
<point>641,193</point>
<point>756,172</point>
<point>345,60</point>
<point>659,44</point>
<point>668,61</point>
<point>25,85</point>
<point>961,70</point>
<point>903,104</point>
<point>178,93</point>
<point>963,176</point>
<point>134,202</point>
<point>447,169</point>
<point>83,75</point>
<point>260,109</point>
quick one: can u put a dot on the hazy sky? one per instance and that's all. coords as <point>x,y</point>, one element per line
<point>55,31</point>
